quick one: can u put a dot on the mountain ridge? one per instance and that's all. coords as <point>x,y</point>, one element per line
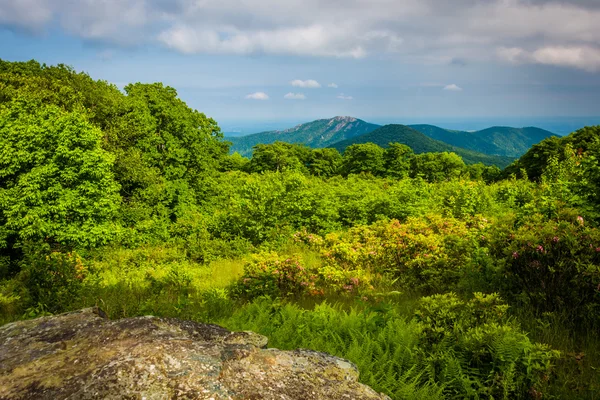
<point>315,134</point>
<point>420,143</point>
<point>496,140</point>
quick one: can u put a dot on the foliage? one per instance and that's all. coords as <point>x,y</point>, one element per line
<point>279,156</point>
<point>129,201</point>
<point>57,182</point>
<point>363,158</point>
<point>436,167</point>
<point>499,140</point>
<point>551,265</point>
<point>54,279</point>
<point>420,143</point>
<point>398,356</point>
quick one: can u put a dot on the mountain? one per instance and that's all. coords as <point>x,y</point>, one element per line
<point>316,134</point>
<point>497,140</point>
<point>420,143</point>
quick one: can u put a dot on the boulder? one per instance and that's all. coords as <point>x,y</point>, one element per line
<point>84,355</point>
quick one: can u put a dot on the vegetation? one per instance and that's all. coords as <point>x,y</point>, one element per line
<point>420,143</point>
<point>436,278</point>
<point>497,140</point>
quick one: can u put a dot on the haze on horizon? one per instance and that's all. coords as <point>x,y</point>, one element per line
<point>299,60</point>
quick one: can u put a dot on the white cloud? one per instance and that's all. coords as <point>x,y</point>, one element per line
<point>342,96</point>
<point>312,40</point>
<point>581,57</point>
<point>295,96</point>
<point>310,83</point>
<point>453,88</point>
<point>553,32</point>
<point>258,96</point>
<point>333,85</point>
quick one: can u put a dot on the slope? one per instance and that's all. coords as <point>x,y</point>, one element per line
<point>420,143</point>
<point>497,140</point>
<point>316,134</point>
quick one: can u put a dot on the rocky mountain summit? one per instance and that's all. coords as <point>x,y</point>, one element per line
<point>84,355</point>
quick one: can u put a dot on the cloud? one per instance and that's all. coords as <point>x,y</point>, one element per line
<point>453,88</point>
<point>550,32</point>
<point>310,83</point>
<point>582,57</point>
<point>295,96</point>
<point>258,96</point>
<point>333,85</point>
<point>342,96</point>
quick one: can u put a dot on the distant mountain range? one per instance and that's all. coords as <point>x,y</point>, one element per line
<point>420,143</point>
<point>498,140</point>
<point>496,145</point>
<point>316,134</point>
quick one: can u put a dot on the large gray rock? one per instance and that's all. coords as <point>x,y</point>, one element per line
<point>84,355</point>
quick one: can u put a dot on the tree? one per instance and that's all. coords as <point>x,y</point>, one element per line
<point>363,158</point>
<point>397,160</point>
<point>57,183</point>
<point>436,167</point>
<point>279,156</point>
<point>235,162</point>
<point>325,162</point>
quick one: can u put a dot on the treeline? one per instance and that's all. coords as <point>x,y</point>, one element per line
<point>396,161</point>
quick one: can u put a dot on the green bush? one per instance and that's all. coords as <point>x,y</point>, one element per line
<point>551,265</point>
<point>53,279</point>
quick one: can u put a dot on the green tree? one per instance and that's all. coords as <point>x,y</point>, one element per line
<point>325,162</point>
<point>235,162</point>
<point>436,167</point>
<point>363,158</point>
<point>397,160</point>
<point>279,156</point>
<point>57,183</point>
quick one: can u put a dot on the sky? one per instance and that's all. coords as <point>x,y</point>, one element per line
<point>257,63</point>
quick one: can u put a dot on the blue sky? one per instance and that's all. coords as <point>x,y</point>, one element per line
<point>295,60</point>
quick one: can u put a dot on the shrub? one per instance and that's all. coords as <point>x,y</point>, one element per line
<point>54,279</point>
<point>426,255</point>
<point>271,274</point>
<point>553,265</point>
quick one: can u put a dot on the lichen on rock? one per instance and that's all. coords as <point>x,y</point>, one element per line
<point>84,355</point>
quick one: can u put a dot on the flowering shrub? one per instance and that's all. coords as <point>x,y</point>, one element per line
<point>270,274</point>
<point>423,254</point>
<point>551,264</point>
<point>273,275</point>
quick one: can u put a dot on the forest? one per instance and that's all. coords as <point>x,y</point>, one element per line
<point>438,279</point>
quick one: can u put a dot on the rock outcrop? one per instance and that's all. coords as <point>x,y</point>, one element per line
<point>84,355</point>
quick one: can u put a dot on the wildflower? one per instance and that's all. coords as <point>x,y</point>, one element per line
<point>515,255</point>
<point>580,220</point>
<point>555,239</point>
<point>540,249</point>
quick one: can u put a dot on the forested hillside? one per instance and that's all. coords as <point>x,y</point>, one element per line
<point>420,143</point>
<point>497,140</point>
<point>439,280</point>
<point>316,134</point>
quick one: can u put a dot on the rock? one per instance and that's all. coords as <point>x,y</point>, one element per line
<point>84,355</point>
